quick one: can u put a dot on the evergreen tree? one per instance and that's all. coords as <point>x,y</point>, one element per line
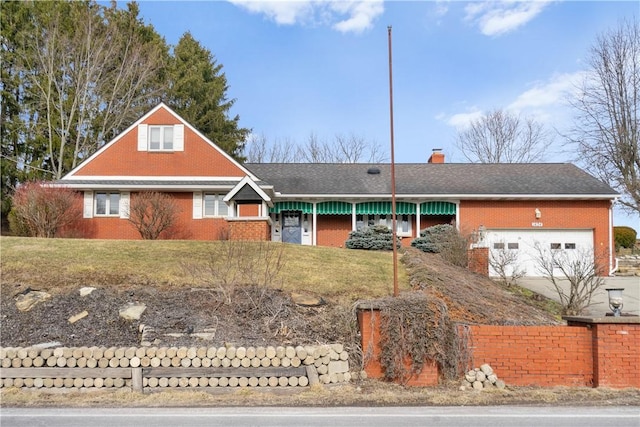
<point>198,92</point>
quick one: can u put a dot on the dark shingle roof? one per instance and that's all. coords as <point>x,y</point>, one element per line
<point>472,179</point>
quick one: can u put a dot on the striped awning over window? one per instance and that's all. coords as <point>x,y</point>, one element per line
<point>384,208</point>
<point>278,207</point>
<point>333,208</point>
<point>437,208</point>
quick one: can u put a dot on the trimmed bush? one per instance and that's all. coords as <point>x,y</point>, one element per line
<point>376,238</point>
<point>625,237</point>
<point>433,239</point>
<point>444,239</point>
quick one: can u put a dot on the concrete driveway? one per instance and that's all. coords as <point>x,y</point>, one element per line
<point>600,301</point>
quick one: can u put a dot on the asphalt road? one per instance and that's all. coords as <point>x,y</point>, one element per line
<point>348,416</point>
<point>600,301</point>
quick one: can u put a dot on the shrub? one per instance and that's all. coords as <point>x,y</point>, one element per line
<point>41,211</point>
<point>625,237</point>
<point>152,213</point>
<point>376,238</point>
<point>445,240</point>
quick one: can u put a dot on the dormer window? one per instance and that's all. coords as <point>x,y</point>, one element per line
<point>160,138</point>
<point>156,138</point>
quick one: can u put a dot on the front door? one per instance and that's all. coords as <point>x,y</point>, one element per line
<point>291,227</point>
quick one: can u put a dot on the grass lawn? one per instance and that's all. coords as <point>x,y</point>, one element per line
<point>52,264</point>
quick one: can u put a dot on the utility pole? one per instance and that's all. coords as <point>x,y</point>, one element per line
<point>394,227</point>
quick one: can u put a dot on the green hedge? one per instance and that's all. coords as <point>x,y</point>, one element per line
<point>625,237</point>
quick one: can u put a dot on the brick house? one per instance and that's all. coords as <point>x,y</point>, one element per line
<point>505,206</point>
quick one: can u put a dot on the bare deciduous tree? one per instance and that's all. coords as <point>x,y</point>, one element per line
<point>575,276</point>
<point>88,81</point>
<point>343,149</point>
<point>258,150</point>
<point>152,213</point>
<point>504,262</point>
<point>607,122</point>
<point>502,137</point>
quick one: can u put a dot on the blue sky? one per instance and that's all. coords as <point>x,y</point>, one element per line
<point>322,67</point>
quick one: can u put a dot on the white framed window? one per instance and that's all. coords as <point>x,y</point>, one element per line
<point>156,138</point>
<point>160,138</point>
<point>107,204</point>
<point>214,205</point>
<point>403,223</point>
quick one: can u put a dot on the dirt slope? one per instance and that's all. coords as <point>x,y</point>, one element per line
<point>253,316</point>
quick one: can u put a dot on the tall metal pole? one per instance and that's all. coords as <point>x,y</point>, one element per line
<point>394,227</point>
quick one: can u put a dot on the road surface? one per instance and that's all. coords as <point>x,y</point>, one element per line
<point>349,416</point>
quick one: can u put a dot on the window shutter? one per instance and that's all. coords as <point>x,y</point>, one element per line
<point>88,205</point>
<point>124,204</point>
<point>197,205</point>
<point>178,137</point>
<point>142,137</point>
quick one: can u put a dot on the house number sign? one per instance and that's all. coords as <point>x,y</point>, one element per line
<point>536,224</point>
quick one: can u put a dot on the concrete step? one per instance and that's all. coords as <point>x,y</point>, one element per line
<point>628,265</point>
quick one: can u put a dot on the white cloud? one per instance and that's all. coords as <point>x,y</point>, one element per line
<point>361,14</point>
<point>497,18</point>
<point>547,94</point>
<point>544,101</point>
<point>342,15</point>
<point>462,120</point>
<point>282,12</point>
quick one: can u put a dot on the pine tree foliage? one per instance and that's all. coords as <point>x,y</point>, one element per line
<point>376,238</point>
<point>198,92</point>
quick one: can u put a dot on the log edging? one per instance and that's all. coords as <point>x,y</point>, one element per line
<point>150,368</point>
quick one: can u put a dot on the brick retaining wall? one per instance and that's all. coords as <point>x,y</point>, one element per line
<point>601,352</point>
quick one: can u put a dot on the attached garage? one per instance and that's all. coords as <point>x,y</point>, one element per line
<point>523,244</point>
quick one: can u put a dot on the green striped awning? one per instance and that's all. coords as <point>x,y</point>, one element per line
<point>384,208</point>
<point>278,207</point>
<point>438,208</point>
<point>405,208</point>
<point>333,208</point>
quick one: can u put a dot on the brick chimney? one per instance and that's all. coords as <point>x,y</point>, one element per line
<point>437,156</point>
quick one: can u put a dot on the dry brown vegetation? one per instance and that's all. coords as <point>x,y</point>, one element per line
<point>362,393</point>
<point>153,272</point>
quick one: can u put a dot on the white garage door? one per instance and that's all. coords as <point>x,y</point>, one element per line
<point>522,247</point>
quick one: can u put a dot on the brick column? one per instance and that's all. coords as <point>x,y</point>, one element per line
<point>369,323</point>
<point>616,349</point>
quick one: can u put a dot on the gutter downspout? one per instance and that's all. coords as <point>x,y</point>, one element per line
<point>612,248</point>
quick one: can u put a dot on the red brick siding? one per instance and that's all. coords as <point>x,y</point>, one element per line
<point>258,229</point>
<point>123,158</point>
<point>431,220</point>
<point>249,210</point>
<point>185,227</point>
<point>617,353</point>
<point>556,214</point>
<point>333,230</point>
